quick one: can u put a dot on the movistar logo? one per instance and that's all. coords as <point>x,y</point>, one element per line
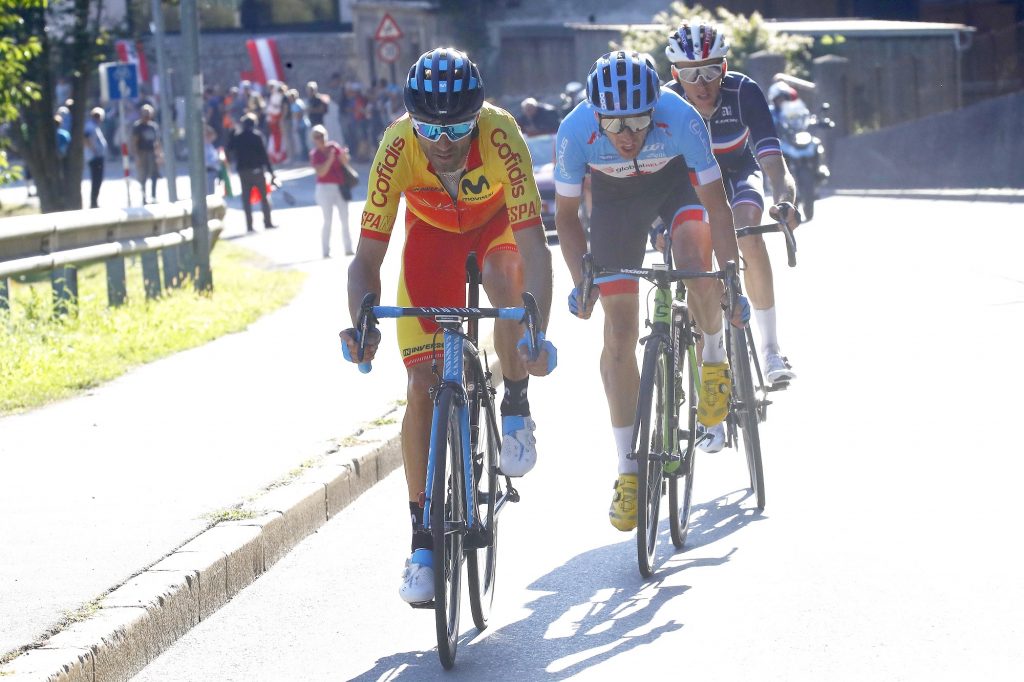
<point>471,188</point>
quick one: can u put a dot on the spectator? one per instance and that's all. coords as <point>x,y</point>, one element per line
<point>211,159</point>
<point>63,137</point>
<point>328,159</point>
<point>538,117</point>
<point>316,104</point>
<point>95,153</point>
<point>145,149</point>
<point>250,154</point>
<point>300,123</point>
<point>275,111</point>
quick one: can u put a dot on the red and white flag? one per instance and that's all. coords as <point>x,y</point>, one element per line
<point>266,62</point>
<point>132,53</point>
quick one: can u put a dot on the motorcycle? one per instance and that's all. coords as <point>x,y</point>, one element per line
<point>804,151</point>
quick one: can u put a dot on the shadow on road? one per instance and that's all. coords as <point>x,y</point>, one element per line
<point>587,611</point>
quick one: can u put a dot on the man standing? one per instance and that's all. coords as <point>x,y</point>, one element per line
<point>250,155</point>
<point>145,149</point>
<point>95,153</point>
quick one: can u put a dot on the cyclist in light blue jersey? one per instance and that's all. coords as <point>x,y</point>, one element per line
<point>638,141</point>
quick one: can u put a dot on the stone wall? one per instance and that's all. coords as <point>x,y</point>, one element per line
<point>978,146</point>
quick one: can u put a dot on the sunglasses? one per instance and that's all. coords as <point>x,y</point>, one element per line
<point>433,132</point>
<point>708,72</point>
<point>634,123</point>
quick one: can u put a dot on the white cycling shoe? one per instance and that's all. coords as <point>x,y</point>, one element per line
<point>777,369</point>
<point>518,445</point>
<point>418,578</point>
<point>711,439</point>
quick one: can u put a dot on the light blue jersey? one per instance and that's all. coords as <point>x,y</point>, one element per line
<point>677,131</point>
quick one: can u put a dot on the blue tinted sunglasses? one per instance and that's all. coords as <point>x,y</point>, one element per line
<point>433,132</point>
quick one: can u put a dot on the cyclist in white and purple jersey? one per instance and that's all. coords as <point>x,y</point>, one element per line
<point>638,140</point>
<point>745,143</point>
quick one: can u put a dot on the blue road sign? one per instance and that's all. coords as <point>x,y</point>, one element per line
<point>122,80</point>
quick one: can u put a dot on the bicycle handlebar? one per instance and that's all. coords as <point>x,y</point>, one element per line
<point>777,226</point>
<point>369,314</point>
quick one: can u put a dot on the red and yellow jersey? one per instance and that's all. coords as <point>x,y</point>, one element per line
<point>499,177</point>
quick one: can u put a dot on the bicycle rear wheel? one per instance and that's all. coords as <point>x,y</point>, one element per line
<point>482,563</point>
<point>746,413</point>
<point>680,482</point>
<point>649,440</point>
<point>447,523</point>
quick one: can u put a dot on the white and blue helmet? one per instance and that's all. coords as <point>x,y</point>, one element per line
<point>623,83</point>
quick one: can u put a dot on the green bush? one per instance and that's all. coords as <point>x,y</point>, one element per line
<point>746,35</point>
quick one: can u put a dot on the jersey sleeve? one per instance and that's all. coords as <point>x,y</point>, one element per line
<point>570,160</point>
<point>764,139</point>
<point>522,198</point>
<point>388,173</point>
<point>696,142</point>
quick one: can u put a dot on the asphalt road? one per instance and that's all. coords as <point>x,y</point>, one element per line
<point>888,550</point>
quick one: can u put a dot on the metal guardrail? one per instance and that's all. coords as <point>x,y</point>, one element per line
<point>61,242</point>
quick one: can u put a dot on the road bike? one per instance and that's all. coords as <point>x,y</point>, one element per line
<point>748,404</point>
<point>664,431</point>
<point>465,489</point>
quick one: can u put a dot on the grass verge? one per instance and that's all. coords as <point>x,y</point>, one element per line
<point>45,358</point>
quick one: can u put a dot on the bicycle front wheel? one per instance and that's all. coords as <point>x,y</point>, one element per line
<point>482,563</point>
<point>746,412</point>
<point>447,522</point>
<point>680,482</point>
<point>650,436</point>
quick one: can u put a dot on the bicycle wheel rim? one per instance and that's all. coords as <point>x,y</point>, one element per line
<point>680,502</point>
<point>647,438</point>
<point>482,564</point>
<point>445,519</point>
<point>746,414</point>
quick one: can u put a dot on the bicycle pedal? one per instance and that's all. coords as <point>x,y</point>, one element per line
<point>423,604</point>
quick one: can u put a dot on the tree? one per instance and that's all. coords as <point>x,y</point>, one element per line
<point>15,50</point>
<point>746,36</point>
<point>70,40</point>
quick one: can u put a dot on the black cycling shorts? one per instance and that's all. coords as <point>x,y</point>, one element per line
<point>624,208</point>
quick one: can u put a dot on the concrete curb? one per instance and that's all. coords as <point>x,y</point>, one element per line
<point>963,194</point>
<point>136,622</point>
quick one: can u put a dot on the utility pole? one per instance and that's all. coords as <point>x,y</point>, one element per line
<point>166,102</point>
<point>194,135</point>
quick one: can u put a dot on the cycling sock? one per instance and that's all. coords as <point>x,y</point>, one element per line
<point>766,326</point>
<point>421,539</point>
<point>624,445</point>
<point>515,402</point>
<point>714,349</point>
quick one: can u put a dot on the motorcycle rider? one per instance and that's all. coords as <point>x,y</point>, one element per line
<point>745,143</point>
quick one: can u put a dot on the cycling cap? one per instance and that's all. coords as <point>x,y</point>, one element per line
<point>444,87</point>
<point>696,41</point>
<point>782,89</point>
<point>623,83</point>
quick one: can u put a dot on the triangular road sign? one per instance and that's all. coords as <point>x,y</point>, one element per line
<point>388,29</point>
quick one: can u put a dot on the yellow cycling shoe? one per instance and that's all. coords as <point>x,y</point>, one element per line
<point>622,513</point>
<point>713,396</point>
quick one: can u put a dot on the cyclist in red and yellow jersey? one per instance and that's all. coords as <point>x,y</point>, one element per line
<point>468,183</point>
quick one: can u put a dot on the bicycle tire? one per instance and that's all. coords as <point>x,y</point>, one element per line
<point>745,406</point>
<point>482,563</point>
<point>446,523</point>
<point>686,418</point>
<point>648,435</point>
